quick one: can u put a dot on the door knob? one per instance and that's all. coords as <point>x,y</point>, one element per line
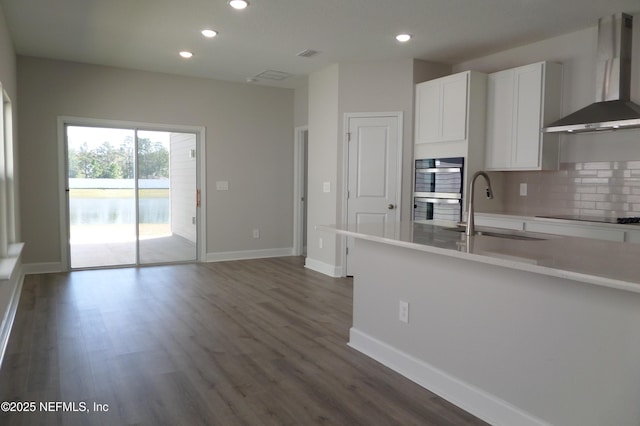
<point>391,206</point>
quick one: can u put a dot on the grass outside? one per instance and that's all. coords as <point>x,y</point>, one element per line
<point>117,193</point>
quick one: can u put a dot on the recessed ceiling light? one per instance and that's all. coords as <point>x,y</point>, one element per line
<point>209,33</point>
<point>239,4</point>
<point>403,37</point>
<point>186,54</point>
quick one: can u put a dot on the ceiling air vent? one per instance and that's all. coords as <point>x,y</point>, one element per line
<point>272,75</point>
<point>307,53</point>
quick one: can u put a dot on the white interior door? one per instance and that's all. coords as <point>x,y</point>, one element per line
<point>300,195</point>
<point>374,173</point>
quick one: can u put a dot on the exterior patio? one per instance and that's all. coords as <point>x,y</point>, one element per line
<point>95,246</point>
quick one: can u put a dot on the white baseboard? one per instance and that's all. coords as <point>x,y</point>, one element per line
<point>42,268</point>
<point>249,254</point>
<point>10,314</point>
<point>476,401</point>
<point>323,268</point>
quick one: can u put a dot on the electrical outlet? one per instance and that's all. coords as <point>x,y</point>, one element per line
<point>523,189</point>
<point>319,242</point>
<point>403,314</point>
<point>256,233</point>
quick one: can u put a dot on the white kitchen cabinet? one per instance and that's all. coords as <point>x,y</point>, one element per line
<point>450,120</point>
<point>502,222</point>
<point>520,101</point>
<point>576,230</point>
<point>441,109</point>
<point>607,232</point>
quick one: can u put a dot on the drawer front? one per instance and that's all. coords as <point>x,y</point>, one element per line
<point>576,231</point>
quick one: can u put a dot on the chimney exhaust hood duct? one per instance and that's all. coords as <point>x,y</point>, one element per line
<point>613,108</point>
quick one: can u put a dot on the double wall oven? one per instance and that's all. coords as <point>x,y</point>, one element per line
<point>438,189</point>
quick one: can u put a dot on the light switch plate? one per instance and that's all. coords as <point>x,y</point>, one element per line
<point>403,312</point>
<point>222,185</point>
<point>326,187</point>
<point>523,189</point>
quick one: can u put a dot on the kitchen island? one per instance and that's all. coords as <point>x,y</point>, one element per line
<point>518,330</point>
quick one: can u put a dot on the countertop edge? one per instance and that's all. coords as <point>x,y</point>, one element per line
<point>545,219</point>
<point>542,270</point>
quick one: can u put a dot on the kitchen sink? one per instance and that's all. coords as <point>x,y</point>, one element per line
<point>502,233</point>
<point>509,236</point>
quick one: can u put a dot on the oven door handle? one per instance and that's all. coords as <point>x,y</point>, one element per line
<point>439,200</point>
<point>439,170</point>
<point>449,195</point>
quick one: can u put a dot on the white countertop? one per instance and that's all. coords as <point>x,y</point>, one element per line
<point>597,262</point>
<point>556,220</point>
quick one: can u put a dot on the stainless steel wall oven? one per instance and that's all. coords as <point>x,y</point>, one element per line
<point>438,189</point>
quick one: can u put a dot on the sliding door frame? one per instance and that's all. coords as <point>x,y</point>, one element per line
<point>63,174</point>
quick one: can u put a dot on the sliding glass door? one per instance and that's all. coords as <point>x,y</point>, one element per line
<point>131,196</point>
<point>166,197</point>
<point>101,194</point>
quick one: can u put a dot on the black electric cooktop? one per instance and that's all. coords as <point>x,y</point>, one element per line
<point>623,220</point>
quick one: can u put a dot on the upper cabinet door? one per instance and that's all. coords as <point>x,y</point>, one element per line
<point>526,147</point>
<point>517,101</point>
<point>428,111</point>
<point>499,119</point>
<point>454,107</point>
<point>441,109</point>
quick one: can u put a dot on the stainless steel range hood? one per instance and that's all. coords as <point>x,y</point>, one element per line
<point>613,108</point>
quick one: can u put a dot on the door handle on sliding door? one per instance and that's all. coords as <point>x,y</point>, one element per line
<point>197,198</point>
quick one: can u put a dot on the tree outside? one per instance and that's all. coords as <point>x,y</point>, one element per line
<point>107,161</point>
<point>102,169</point>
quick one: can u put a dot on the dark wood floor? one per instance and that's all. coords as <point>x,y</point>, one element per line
<point>259,342</point>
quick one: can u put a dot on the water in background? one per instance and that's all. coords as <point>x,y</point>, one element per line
<point>117,211</point>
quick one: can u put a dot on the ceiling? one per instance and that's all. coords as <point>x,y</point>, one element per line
<point>148,34</point>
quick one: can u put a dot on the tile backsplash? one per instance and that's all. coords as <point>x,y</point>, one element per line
<point>605,189</point>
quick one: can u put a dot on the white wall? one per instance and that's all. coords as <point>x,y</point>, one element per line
<point>7,61</point>
<point>249,132</point>
<point>334,91</point>
<point>351,88</point>
<point>388,86</point>
<point>577,53</point>
<point>323,167</point>
<point>380,87</point>
<point>501,343</point>
<point>183,185</point>
<point>425,70</point>
<point>301,105</point>
<point>9,289</point>
<point>8,78</point>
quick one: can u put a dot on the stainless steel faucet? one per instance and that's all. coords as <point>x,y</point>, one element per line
<point>471,229</point>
